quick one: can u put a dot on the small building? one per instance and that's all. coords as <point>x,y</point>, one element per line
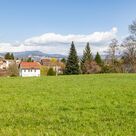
<point>29,69</point>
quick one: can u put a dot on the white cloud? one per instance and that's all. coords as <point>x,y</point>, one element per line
<point>57,43</point>
<point>57,38</point>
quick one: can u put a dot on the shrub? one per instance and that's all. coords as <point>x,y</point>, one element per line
<point>44,71</point>
<point>13,70</point>
<point>51,72</point>
<point>92,67</point>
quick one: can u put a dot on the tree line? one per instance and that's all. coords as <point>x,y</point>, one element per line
<point>120,57</point>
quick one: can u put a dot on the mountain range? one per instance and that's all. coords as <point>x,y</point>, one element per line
<point>26,54</point>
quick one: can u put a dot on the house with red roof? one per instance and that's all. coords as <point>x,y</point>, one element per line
<point>29,69</point>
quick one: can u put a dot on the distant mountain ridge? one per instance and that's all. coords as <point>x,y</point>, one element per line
<point>26,54</point>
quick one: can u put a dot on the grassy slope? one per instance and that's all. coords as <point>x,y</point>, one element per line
<point>102,105</point>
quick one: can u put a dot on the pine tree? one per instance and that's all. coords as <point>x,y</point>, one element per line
<point>72,66</point>
<point>7,56</point>
<point>12,56</point>
<point>98,59</point>
<point>87,57</point>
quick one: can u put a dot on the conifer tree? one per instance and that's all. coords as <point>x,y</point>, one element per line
<point>98,59</point>
<point>7,56</point>
<point>87,57</point>
<point>72,66</point>
<point>12,56</point>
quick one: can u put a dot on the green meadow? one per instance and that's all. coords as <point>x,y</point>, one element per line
<point>84,105</point>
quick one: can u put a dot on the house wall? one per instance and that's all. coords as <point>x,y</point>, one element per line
<point>29,72</point>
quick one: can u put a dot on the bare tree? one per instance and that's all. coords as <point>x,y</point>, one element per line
<point>112,52</point>
<point>113,47</point>
<point>129,53</point>
<point>13,69</point>
<point>92,67</point>
<point>132,28</point>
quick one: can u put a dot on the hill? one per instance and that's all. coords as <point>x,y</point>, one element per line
<point>88,105</point>
<point>34,54</point>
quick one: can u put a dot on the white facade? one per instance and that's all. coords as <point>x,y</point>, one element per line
<point>29,72</point>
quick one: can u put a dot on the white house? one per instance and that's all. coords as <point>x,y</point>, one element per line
<point>29,69</point>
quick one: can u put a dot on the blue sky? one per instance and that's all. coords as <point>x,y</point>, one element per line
<point>24,19</point>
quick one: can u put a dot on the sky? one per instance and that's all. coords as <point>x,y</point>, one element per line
<point>51,25</point>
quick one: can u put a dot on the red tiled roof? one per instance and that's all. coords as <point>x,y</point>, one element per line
<point>30,65</point>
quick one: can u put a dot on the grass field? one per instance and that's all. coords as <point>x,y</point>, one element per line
<point>91,105</point>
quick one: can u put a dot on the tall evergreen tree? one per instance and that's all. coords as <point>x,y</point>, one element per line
<point>72,66</point>
<point>98,59</point>
<point>87,57</point>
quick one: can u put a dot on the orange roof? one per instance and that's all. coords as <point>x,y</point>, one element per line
<point>30,65</point>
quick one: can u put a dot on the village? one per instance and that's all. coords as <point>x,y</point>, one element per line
<point>30,68</point>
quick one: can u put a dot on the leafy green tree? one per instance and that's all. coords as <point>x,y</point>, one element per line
<point>29,59</point>
<point>44,70</point>
<point>72,64</point>
<point>7,56</point>
<point>87,57</point>
<point>12,56</point>
<point>98,59</point>
<point>63,60</point>
<point>51,72</point>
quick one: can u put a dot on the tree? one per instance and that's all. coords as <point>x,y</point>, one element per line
<point>92,67</point>
<point>44,70</point>
<point>13,70</point>
<point>98,59</point>
<point>132,28</point>
<point>51,72</point>
<point>129,49</point>
<point>129,53</point>
<point>12,56</point>
<point>63,60</point>
<point>111,57</point>
<point>9,56</point>
<point>87,56</point>
<point>29,59</point>
<point>72,64</point>
<point>112,50</point>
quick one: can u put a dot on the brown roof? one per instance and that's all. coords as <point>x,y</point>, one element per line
<point>30,65</point>
<point>50,63</point>
<point>46,62</point>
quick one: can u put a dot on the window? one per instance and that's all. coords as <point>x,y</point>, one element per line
<point>24,70</point>
<point>35,70</point>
